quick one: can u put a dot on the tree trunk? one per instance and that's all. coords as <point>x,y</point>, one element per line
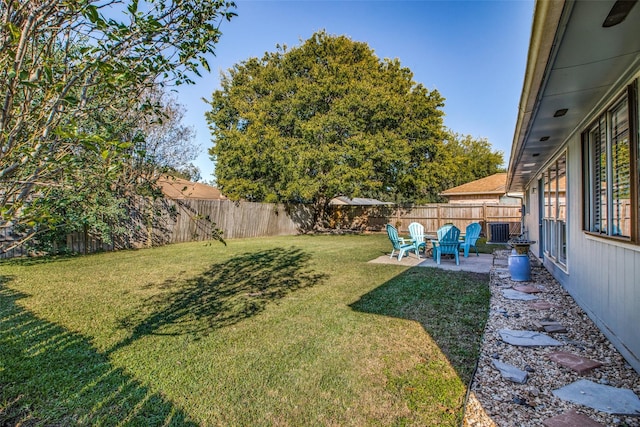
<point>320,212</point>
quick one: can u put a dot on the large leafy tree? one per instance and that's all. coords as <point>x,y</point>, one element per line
<point>468,159</point>
<point>325,119</point>
<point>99,192</point>
<point>73,74</point>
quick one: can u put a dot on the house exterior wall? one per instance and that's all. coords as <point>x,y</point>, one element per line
<point>483,198</point>
<point>601,273</point>
<point>507,200</point>
<point>474,199</point>
<point>531,218</point>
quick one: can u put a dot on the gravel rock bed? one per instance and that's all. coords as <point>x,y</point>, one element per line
<point>496,401</point>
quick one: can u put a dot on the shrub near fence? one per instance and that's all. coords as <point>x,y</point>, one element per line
<point>186,220</point>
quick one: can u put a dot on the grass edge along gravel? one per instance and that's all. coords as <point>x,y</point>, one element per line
<point>296,330</point>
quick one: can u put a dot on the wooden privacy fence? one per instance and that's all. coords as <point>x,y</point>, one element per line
<point>196,219</point>
<point>7,239</point>
<point>431,216</point>
<point>174,221</point>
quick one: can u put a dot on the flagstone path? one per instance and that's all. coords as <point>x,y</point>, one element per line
<point>544,362</point>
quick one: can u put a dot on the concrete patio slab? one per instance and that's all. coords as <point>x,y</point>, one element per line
<point>473,264</point>
<point>502,262</point>
<point>406,261</point>
<point>604,398</point>
<point>527,338</point>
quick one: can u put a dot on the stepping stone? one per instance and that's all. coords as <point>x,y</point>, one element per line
<point>510,372</point>
<point>516,295</point>
<point>570,419</point>
<point>604,398</point>
<point>541,305</point>
<point>555,328</point>
<point>502,273</point>
<point>550,326</point>
<point>501,311</point>
<point>568,341</point>
<point>527,289</point>
<point>527,338</point>
<point>573,361</point>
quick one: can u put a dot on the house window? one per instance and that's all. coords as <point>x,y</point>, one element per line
<point>609,157</point>
<point>555,211</point>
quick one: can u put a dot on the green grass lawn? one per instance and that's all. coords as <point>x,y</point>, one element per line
<point>285,331</point>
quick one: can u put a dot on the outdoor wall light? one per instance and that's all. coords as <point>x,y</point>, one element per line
<point>560,112</point>
<point>618,12</point>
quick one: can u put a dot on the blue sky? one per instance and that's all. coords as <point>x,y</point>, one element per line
<point>473,52</point>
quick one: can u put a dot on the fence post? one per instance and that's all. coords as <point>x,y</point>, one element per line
<point>397,219</point>
<point>149,221</point>
<point>484,218</point>
<point>85,236</point>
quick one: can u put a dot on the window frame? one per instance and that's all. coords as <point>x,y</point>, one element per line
<point>594,213</point>
<point>554,221</point>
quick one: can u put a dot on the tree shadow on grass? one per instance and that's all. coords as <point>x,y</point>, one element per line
<point>223,295</point>
<point>50,376</point>
<point>37,260</point>
<point>452,307</point>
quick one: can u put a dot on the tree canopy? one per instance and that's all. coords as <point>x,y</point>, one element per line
<point>469,159</point>
<point>78,89</point>
<point>329,118</point>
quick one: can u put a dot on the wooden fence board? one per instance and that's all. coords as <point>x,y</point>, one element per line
<point>176,221</point>
<point>431,216</point>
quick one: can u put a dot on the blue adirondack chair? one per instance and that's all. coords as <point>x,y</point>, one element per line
<point>471,236</point>
<point>448,244</point>
<point>416,231</point>
<point>399,244</point>
<point>443,230</point>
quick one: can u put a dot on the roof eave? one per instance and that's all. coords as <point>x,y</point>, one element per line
<point>544,29</point>
<point>475,193</point>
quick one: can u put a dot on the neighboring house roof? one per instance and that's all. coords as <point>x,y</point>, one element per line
<point>491,185</point>
<point>357,201</point>
<point>178,188</point>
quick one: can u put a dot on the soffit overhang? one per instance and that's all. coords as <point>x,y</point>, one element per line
<point>573,63</point>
